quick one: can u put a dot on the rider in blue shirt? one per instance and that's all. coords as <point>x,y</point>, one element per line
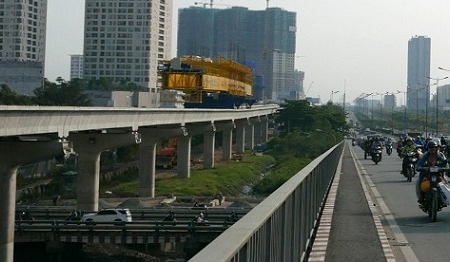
<point>431,158</point>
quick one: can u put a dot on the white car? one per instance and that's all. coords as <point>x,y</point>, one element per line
<point>109,215</point>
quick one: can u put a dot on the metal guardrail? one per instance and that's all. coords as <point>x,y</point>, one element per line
<point>130,232</point>
<point>57,213</point>
<point>281,227</point>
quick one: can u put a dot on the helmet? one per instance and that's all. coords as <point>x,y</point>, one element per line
<point>425,185</point>
<point>409,139</point>
<point>432,144</point>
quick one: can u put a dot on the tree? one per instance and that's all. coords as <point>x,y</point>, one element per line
<point>107,84</point>
<point>300,115</point>
<point>62,94</point>
<point>9,97</point>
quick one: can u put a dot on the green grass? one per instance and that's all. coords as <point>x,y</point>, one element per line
<point>228,178</point>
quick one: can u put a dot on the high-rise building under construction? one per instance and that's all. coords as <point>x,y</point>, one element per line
<point>263,38</point>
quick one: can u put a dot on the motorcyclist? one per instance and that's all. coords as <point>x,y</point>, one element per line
<point>400,144</point>
<point>419,142</point>
<point>409,147</point>
<point>388,144</point>
<point>375,143</point>
<point>431,158</point>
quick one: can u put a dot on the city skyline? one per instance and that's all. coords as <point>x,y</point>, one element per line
<point>351,45</point>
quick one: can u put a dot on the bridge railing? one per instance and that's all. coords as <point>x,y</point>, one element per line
<point>147,214</point>
<point>281,227</point>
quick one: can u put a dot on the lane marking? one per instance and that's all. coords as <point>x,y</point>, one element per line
<point>320,243</point>
<point>406,249</point>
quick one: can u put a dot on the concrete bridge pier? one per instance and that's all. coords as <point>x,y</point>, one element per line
<point>209,137</point>
<point>12,155</point>
<point>264,125</point>
<point>89,146</point>
<point>250,133</point>
<point>227,138</point>
<point>147,152</point>
<point>240,135</point>
<point>184,156</point>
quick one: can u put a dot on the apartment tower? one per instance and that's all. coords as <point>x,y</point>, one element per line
<point>76,67</point>
<point>124,40</point>
<point>418,83</point>
<point>22,44</point>
<point>265,38</point>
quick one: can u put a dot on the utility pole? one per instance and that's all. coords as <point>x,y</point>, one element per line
<point>343,100</point>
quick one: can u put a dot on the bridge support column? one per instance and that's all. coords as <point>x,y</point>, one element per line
<point>12,155</point>
<point>227,138</point>
<point>147,172</point>
<point>240,136</point>
<point>258,133</point>
<point>227,143</point>
<point>264,129</point>
<point>89,147</point>
<point>7,202</point>
<point>147,159</point>
<point>250,135</point>
<point>208,149</point>
<point>184,156</point>
<point>209,131</point>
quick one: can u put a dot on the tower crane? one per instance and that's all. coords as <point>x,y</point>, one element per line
<point>211,3</point>
<point>309,87</point>
<point>204,3</point>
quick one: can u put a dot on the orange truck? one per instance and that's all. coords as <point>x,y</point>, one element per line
<point>167,157</point>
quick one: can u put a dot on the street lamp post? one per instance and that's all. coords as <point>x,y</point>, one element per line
<point>404,100</point>
<point>331,95</point>
<point>392,108</point>
<point>437,97</point>
<point>427,98</point>
<point>381,104</point>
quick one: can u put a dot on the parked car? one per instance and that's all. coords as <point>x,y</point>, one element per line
<point>109,215</point>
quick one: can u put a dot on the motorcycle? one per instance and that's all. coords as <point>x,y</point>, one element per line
<point>432,187</point>
<point>399,151</point>
<point>389,149</point>
<point>376,154</point>
<point>410,171</point>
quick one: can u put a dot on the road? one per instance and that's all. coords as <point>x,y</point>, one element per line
<point>411,234</point>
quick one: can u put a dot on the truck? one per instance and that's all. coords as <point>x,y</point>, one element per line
<point>167,156</point>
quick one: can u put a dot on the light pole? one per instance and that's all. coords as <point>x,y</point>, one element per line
<point>381,104</point>
<point>331,95</point>
<point>404,101</point>
<point>372,94</point>
<point>320,130</point>
<point>437,97</point>
<point>425,86</point>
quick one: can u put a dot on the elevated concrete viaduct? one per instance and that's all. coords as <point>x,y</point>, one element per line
<point>30,134</point>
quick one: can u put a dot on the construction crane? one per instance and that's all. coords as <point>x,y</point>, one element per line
<point>307,91</point>
<point>205,4</point>
<point>211,3</point>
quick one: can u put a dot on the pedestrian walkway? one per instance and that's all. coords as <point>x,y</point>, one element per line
<point>349,228</point>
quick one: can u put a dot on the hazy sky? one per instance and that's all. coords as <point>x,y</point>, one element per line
<point>356,45</point>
